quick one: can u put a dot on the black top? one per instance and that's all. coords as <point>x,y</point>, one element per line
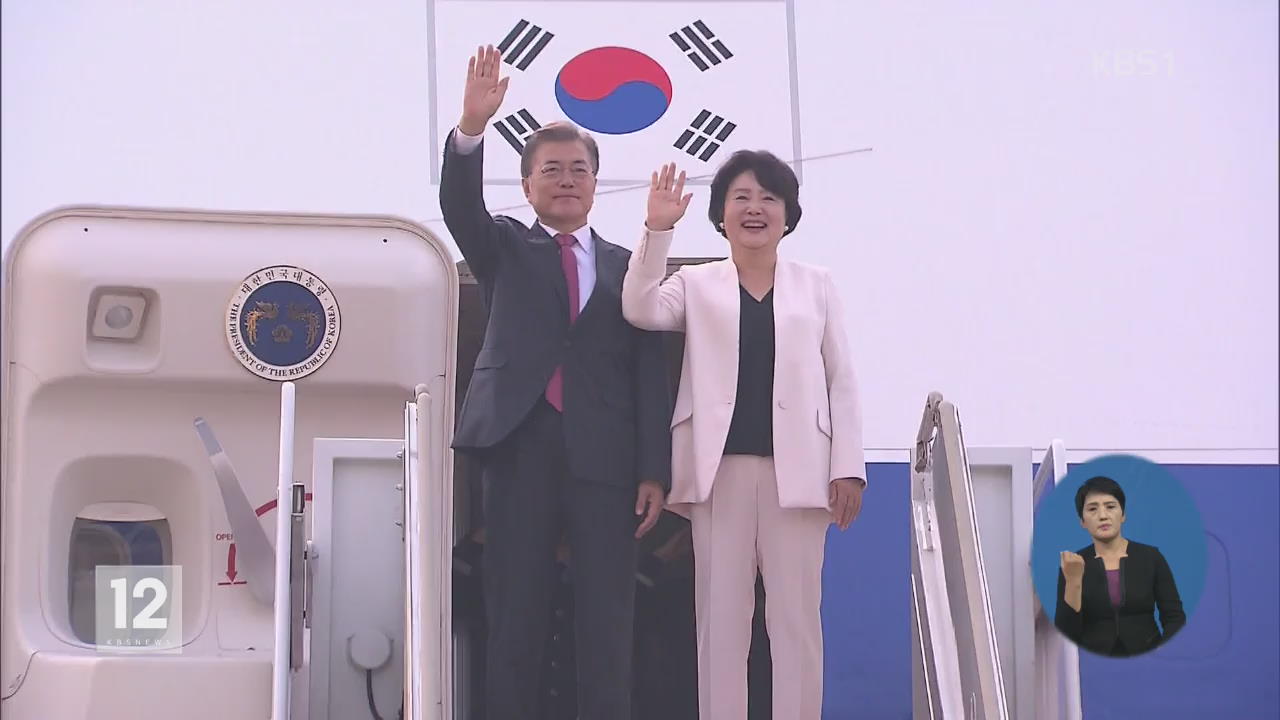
<point>751,430</point>
<point>1146,584</point>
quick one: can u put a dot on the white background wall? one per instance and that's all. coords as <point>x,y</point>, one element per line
<point>1068,223</point>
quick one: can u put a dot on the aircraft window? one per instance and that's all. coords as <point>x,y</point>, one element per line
<point>111,534</point>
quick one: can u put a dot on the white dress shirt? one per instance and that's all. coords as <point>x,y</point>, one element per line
<point>584,251</point>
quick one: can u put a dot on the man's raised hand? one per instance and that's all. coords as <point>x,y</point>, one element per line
<point>484,91</point>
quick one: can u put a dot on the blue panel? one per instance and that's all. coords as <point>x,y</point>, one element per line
<point>866,604</point>
<point>1208,634</point>
<point>1225,663</point>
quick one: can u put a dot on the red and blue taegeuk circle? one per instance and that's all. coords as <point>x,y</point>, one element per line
<point>613,90</point>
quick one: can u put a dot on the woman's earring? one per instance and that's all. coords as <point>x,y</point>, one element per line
<point>786,228</point>
<point>721,226</point>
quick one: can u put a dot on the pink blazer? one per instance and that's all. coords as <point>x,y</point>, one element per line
<point>817,421</point>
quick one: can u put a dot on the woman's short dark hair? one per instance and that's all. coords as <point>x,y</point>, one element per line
<point>1099,485</point>
<point>773,175</point>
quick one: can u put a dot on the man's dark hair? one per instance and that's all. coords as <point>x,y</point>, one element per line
<point>557,132</point>
<point>1099,485</point>
<point>773,175</point>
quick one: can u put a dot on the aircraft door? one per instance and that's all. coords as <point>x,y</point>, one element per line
<point>143,355</point>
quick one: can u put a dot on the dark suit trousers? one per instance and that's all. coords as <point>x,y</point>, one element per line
<point>531,501</point>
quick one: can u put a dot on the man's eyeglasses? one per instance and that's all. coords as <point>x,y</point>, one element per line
<point>555,172</point>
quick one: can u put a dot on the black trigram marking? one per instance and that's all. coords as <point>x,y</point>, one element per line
<point>706,133</point>
<point>517,128</point>
<point>700,45</point>
<point>523,34</point>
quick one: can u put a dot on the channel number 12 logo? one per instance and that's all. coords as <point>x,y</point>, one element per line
<point>138,608</point>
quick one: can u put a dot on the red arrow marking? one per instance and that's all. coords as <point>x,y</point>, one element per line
<point>231,549</point>
<point>231,563</point>
<point>270,505</point>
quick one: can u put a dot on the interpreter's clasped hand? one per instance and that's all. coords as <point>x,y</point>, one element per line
<point>1072,566</point>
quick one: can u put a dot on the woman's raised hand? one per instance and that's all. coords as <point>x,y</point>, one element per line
<point>666,202</point>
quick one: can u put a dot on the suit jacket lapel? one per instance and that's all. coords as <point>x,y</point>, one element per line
<point>782,297</point>
<point>610,267</point>
<point>732,294</point>
<point>546,257</point>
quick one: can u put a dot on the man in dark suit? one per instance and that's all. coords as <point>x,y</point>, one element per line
<point>568,407</point>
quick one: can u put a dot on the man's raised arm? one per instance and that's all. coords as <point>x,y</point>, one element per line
<point>462,176</point>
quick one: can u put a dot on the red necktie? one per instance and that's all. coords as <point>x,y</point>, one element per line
<point>568,264</point>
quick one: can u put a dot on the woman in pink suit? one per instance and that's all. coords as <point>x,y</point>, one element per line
<point>767,430</point>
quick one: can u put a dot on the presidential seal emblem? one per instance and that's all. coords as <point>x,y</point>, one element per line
<point>283,323</point>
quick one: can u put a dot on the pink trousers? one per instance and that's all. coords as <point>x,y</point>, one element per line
<point>738,529</point>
